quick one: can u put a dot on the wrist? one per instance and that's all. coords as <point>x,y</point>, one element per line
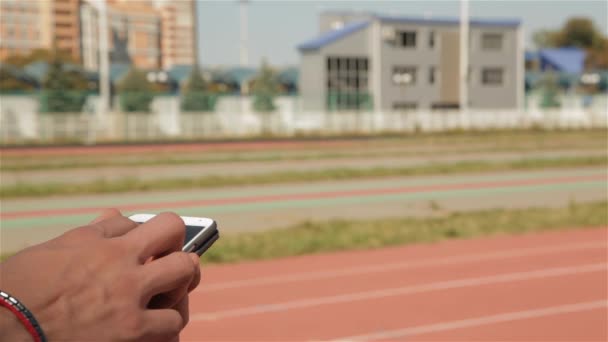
<point>23,316</point>
<point>12,329</point>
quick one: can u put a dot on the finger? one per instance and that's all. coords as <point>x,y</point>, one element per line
<point>106,214</point>
<point>182,307</point>
<point>162,325</point>
<point>114,226</point>
<point>161,235</point>
<point>197,276</point>
<point>171,276</point>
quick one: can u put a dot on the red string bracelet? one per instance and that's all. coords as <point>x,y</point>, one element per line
<point>23,315</point>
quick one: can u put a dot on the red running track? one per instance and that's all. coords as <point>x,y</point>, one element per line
<point>542,287</point>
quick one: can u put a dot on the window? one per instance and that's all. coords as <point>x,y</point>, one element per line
<point>407,39</point>
<point>336,25</point>
<point>404,105</point>
<point>491,41</point>
<point>347,83</point>
<point>404,75</point>
<point>492,76</point>
<point>432,71</point>
<point>444,105</point>
<point>431,39</point>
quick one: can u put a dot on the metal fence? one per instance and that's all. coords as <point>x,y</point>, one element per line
<point>19,128</point>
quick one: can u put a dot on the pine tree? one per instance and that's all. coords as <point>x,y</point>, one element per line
<point>196,97</point>
<point>135,92</point>
<point>265,89</point>
<point>60,93</point>
<point>550,92</point>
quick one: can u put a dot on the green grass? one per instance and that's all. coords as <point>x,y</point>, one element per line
<point>415,145</point>
<point>339,235</point>
<point>133,184</point>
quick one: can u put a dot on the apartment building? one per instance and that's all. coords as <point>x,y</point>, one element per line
<point>135,33</point>
<point>178,42</point>
<point>365,61</point>
<point>150,34</point>
<point>66,26</point>
<point>24,26</point>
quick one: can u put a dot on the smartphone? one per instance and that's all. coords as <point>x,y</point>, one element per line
<point>201,232</point>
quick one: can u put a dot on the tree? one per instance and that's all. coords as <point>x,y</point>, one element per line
<point>196,97</point>
<point>44,55</point>
<point>265,87</point>
<point>544,39</point>
<point>549,95</point>
<point>135,92</point>
<point>10,81</point>
<point>579,32</point>
<point>62,92</point>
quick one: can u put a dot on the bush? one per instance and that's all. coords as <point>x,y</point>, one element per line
<point>135,92</point>
<point>196,97</point>
<point>265,88</point>
<point>63,91</point>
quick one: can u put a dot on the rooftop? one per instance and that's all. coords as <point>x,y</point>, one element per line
<point>334,35</point>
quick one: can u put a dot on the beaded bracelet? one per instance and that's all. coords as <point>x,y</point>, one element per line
<point>24,315</point>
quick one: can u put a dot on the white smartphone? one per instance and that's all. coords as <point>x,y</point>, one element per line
<point>201,232</point>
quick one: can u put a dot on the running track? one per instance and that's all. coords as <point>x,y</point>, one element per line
<point>549,287</point>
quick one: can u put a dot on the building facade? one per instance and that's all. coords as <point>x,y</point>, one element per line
<point>364,61</point>
<point>135,30</point>
<point>66,26</point>
<point>22,26</point>
<point>178,22</point>
<point>150,34</point>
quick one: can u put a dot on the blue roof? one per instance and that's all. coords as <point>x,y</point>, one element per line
<point>450,21</point>
<point>332,36</point>
<point>19,73</point>
<point>38,70</point>
<point>180,73</point>
<point>289,75</point>
<point>118,71</point>
<point>570,60</point>
<point>530,56</point>
<point>236,75</point>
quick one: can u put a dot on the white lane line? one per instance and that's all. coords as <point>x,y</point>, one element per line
<point>475,322</point>
<point>397,291</point>
<point>352,271</point>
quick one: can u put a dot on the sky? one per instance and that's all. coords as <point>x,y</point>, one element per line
<point>277,27</point>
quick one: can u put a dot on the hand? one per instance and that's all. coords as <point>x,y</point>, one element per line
<point>109,280</point>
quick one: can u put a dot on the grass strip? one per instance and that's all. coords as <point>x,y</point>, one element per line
<point>132,184</point>
<point>340,235</point>
<point>500,142</point>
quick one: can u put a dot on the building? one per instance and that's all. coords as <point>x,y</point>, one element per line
<point>66,26</point>
<point>135,33</point>
<point>178,22</point>
<point>150,34</point>
<point>89,36</point>
<point>364,61</point>
<point>20,32</point>
<point>24,26</point>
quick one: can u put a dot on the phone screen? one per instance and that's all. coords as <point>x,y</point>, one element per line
<point>191,232</point>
